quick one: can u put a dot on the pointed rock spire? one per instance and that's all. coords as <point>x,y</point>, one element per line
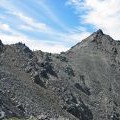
<point>99,32</point>
<point>97,36</point>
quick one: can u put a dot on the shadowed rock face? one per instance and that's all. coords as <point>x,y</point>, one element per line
<point>82,83</point>
<point>1,46</point>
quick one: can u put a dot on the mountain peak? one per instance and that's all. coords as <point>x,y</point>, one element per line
<point>80,84</point>
<point>98,39</point>
<point>95,36</point>
<point>99,32</point>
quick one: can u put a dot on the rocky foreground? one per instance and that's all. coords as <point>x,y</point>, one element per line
<point>82,83</point>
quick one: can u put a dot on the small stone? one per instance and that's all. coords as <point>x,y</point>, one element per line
<point>2,114</point>
<point>42,117</point>
<point>28,69</point>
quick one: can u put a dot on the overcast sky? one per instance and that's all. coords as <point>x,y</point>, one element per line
<point>56,25</point>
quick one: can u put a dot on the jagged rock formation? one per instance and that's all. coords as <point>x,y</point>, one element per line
<point>80,84</point>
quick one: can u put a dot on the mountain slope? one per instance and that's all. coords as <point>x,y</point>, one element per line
<point>79,84</point>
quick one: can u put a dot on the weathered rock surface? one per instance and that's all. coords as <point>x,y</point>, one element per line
<point>82,83</point>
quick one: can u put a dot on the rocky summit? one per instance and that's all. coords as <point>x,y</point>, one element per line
<point>82,83</point>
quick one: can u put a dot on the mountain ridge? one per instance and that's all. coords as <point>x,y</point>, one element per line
<point>79,84</point>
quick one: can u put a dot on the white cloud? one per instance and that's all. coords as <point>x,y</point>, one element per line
<point>16,36</point>
<point>32,44</point>
<point>33,24</point>
<point>25,27</point>
<point>56,40</point>
<point>77,37</point>
<point>102,14</point>
<point>30,22</point>
<point>46,46</point>
<point>52,16</point>
<point>4,27</point>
